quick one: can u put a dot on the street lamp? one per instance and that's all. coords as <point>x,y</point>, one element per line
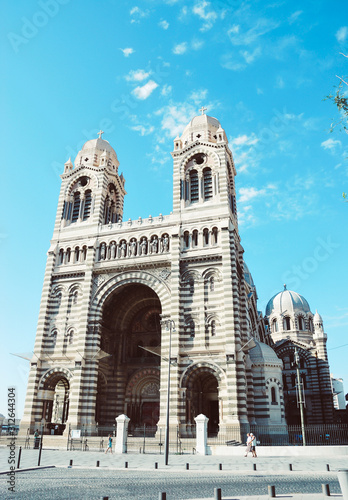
<point>300,399</point>
<point>170,325</point>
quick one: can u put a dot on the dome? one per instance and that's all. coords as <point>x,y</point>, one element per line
<point>100,144</point>
<point>93,150</point>
<point>287,301</point>
<point>247,276</point>
<point>317,318</point>
<point>264,354</point>
<point>201,127</point>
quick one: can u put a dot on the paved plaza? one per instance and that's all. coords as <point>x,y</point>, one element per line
<point>144,476</point>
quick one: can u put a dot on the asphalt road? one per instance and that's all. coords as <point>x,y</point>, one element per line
<point>70,483</point>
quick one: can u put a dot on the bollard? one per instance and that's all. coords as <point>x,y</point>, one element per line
<point>271,491</point>
<point>326,490</point>
<point>19,457</point>
<point>217,494</point>
<point>70,463</point>
<point>162,496</point>
<point>156,465</point>
<point>342,476</point>
<point>290,466</point>
<point>187,466</point>
<point>126,465</point>
<point>98,462</point>
<point>40,450</point>
<point>220,466</point>
<point>254,466</point>
<point>327,466</point>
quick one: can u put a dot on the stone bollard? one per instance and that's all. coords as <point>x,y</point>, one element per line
<point>98,462</point>
<point>126,465</point>
<point>254,466</point>
<point>156,465</point>
<point>327,466</point>
<point>342,476</point>
<point>290,466</point>
<point>220,466</point>
<point>326,490</point>
<point>201,434</point>
<point>70,463</point>
<point>217,494</point>
<point>271,491</point>
<point>122,433</point>
<point>187,466</point>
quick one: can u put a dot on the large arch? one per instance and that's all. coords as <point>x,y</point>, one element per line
<point>54,387</point>
<point>129,313</point>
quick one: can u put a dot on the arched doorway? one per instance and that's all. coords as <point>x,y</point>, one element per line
<point>55,409</point>
<point>130,337</point>
<point>202,396</point>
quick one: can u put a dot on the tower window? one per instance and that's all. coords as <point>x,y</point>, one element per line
<point>76,207</point>
<point>187,239</point>
<point>213,328</point>
<point>214,235</point>
<point>88,202</point>
<point>194,191</point>
<point>273,396</point>
<point>206,236</point>
<point>207,184</point>
<point>274,325</point>
<point>287,324</point>
<point>195,238</point>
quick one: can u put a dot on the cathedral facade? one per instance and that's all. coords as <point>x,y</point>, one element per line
<point>122,298</point>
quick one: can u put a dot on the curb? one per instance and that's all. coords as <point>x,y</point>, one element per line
<point>28,469</point>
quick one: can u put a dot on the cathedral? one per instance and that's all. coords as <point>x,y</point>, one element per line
<point>125,304</point>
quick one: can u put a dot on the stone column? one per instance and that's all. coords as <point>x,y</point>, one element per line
<point>201,434</point>
<point>121,434</point>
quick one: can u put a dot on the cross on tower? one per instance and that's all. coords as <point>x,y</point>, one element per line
<point>202,110</point>
<point>100,133</point>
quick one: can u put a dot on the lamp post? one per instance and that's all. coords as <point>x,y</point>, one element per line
<point>300,399</point>
<point>170,325</point>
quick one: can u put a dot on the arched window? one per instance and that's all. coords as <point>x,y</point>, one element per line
<point>310,324</point>
<point>76,207</point>
<point>206,236</point>
<point>194,192</point>
<point>195,238</point>
<point>213,328</point>
<point>88,203</point>
<point>207,184</point>
<point>61,256</point>
<point>187,239</point>
<point>287,324</point>
<point>214,235</point>
<point>300,323</point>
<point>84,252</point>
<point>273,396</point>
<point>192,329</point>
<point>274,325</point>
<point>192,286</point>
<point>68,254</point>
<point>212,284</point>
<point>77,254</point>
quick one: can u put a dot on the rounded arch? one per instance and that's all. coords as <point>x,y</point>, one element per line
<point>50,379</point>
<point>200,150</point>
<point>202,366</point>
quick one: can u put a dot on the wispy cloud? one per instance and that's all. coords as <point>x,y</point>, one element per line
<point>342,34</point>
<point>279,84</point>
<point>198,96</point>
<point>166,90</point>
<point>175,117</point>
<point>197,44</point>
<point>249,57</point>
<point>247,194</point>
<point>251,35</point>
<point>137,75</point>
<point>145,91</point>
<point>137,14</point>
<point>164,24</point>
<point>244,152</point>
<point>203,11</point>
<point>128,51</point>
<point>180,49</point>
<point>294,16</point>
<point>143,130</point>
<point>331,144</point>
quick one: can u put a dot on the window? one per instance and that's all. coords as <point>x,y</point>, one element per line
<point>207,184</point>
<point>76,207</point>
<point>77,254</point>
<point>187,239</point>
<point>206,236</point>
<point>195,238</point>
<point>300,323</point>
<point>274,325</point>
<point>194,186</point>
<point>214,235</point>
<point>287,324</point>
<point>213,328</point>
<point>88,202</point>
<point>310,324</point>
<point>192,286</point>
<point>68,254</point>
<point>274,396</point>
<point>212,284</point>
<point>192,329</point>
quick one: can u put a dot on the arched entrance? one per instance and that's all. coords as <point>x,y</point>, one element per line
<point>202,396</point>
<point>55,409</point>
<point>128,380</point>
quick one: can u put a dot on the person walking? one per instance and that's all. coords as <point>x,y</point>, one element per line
<point>109,447</point>
<point>248,443</point>
<point>253,445</point>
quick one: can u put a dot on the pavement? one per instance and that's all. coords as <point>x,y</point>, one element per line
<point>263,467</point>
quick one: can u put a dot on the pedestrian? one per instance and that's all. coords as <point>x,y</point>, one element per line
<point>248,443</point>
<point>109,447</point>
<point>253,445</point>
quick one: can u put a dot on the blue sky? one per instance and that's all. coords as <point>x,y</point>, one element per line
<point>140,70</point>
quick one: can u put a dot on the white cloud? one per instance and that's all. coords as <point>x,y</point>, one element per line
<point>247,194</point>
<point>164,24</point>
<point>244,152</point>
<point>166,90</point>
<point>331,144</point>
<point>181,48</point>
<point>143,130</point>
<point>197,44</point>
<point>228,61</point>
<point>198,96</point>
<point>342,34</point>
<point>294,16</point>
<point>127,52</point>
<point>249,57</point>
<point>244,140</point>
<point>200,9</point>
<point>137,14</point>
<point>145,91</point>
<point>280,84</point>
<point>137,76</point>
<point>175,117</point>
<point>260,28</point>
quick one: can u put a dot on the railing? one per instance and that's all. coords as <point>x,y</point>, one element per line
<point>136,223</point>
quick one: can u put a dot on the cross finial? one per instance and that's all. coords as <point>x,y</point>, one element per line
<point>100,133</point>
<point>202,110</point>
<point>284,286</point>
